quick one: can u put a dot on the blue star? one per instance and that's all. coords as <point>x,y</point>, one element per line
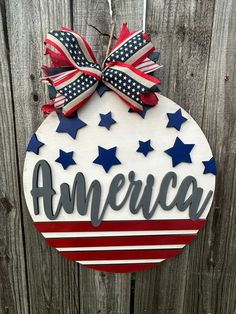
<point>175,120</point>
<point>106,120</point>
<point>145,147</point>
<point>141,113</point>
<point>34,145</point>
<point>102,89</point>
<point>65,159</point>
<point>210,166</point>
<point>107,158</point>
<point>69,125</point>
<point>180,152</point>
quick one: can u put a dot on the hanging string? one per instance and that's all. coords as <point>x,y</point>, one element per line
<point>111,37</point>
<point>113,25</point>
<point>144,13</point>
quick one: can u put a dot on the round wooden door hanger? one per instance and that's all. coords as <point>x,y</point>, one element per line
<point>125,181</point>
<point>116,192</point>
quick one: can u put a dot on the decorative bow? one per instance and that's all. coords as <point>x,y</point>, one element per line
<point>74,73</point>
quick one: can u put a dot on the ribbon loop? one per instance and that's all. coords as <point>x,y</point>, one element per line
<point>75,73</point>
<point>133,50</point>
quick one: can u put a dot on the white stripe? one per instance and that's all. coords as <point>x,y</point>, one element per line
<point>59,97</point>
<point>61,75</point>
<point>59,104</point>
<point>146,62</point>
<point>115,233</point>
<point>68,81</point>
<point>57,77</point>
<point>124,261</point>
<point>118,248</point>
<point>149,68</point>
<point>139,53</point>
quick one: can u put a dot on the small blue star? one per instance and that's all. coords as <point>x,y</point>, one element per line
<point>180,152</point>
<point>175,120</point>
<point>210,166</point>
<point>107,158</point>
<point>34,145</point>
<point>106,120</point>
<point>65,159</point>
<point>69,125</point>
<point>102,89</point>
<point>145,147</point>
<point>141,113</point>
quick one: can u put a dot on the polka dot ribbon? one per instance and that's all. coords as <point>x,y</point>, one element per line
<point>74,73</point>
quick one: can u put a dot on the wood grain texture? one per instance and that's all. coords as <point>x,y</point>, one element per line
<point>52,280</point>
<point>92,19</point>
<point>104,293</point>
<point>13,280</point>
<point>218,278</point>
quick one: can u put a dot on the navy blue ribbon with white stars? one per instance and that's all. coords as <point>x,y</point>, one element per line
<point>74,73</point>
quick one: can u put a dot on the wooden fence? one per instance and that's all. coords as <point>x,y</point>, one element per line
<point>197,41</point>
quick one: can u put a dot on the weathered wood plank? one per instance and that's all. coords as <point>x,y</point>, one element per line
<point>181,31</point>
<point>99,292</point>
<point>52,280</point>
<point>130,11</point>
<point>13,280</point>
<point>217,277</point>
<point>104,293</point>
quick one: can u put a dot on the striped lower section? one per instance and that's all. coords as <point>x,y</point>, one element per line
<point>120,246</point>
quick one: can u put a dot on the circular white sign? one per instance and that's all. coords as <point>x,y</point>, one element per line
<point>116,190</point>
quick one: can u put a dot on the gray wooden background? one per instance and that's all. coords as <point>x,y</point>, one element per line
<point>197,41</point>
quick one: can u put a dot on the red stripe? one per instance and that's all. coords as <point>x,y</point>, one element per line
<point>147,66</point>
<point>119,241</point>
<point>134,225</point>
<point>146,61</point>
<point>65,78</point>
<point>124,268</point>
<point>120,255</point>
<point>52,43</point>
<point>144,56</point>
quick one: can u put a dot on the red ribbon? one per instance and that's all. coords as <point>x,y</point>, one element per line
<point>74,73</point>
